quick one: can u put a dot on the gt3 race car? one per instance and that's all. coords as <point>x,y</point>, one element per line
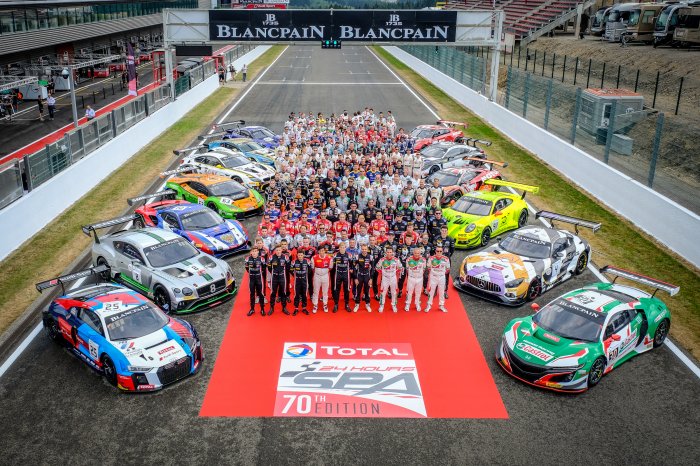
<point>456,182</point>
<point>121,334</point>
<point>234,165</point>
<point>227,197</point>
<point>447,154</point>
<point>526,262</point>
<point>424,135</point>
<point>259,134</point>
<point>570,343</point>
<point>479,216</point>
<point>253,151</point>
<point>205,229</point>
<point>163,266</point>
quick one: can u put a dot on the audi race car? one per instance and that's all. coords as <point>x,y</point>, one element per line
<point>227,197</point>
<point>259,134</point>
<point>456,182</point>
<point>121,334</point>
<point>569,344</point>
<point>163,266</point>
<point>478,216</point>
<point>232,164</point>
<point>447,154</point>
<point>205,229</point>
<point>424,135</point>
<point>527,262</point>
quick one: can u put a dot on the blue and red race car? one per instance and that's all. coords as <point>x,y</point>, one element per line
<point>120,333</point>
<point>200,225</point>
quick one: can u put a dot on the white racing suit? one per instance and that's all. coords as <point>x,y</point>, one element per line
<point>438,267</point>
<point>415,269</point>
<point>390,269</point>
<point>321,280</point>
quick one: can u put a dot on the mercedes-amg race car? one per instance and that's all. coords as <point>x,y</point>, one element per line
<point>424,135</point>
<point>456,182</point>
<point>231,164</point>
<point>227,197</point>
<point>569,344</point>
<point>445,154</point>
<point>205,229</point>
<point>163,266</point>
<point>527,262</point>
<point>121,334</point>
<point>478,216</point>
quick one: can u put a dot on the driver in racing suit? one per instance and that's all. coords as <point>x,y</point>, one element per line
<point>438,267</point>
<point>390,268</point>
<point>321,264</point>
<point>415,267</point>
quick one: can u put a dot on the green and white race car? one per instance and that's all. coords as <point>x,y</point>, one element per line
<point>569,344</point>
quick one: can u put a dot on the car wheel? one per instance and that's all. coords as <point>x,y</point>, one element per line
<point>596,372</point>
<point>534,290</point>
<point>213,207</point>
<point>52,330</point>
<point>459,140</point>
<point>237,179</point>
<point>433,169</point>
<point>522,220</point>
<point>581,263</point>
<point>162,299</point>
<point>106,276</point>
<point>661,333</point>
<point>139,223</point>
<point>485,236</point>
<point>109,371</point>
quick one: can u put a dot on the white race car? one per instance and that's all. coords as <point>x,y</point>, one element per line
<point>232,164</point>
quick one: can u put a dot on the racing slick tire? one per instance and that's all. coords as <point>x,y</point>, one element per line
<point>433,169</point>
<point>139,223</point>
<point>596,371</point>
<point>485,236</point>
<point>459,140</point>
<point>534,290</point>
<point>106,276</point>
<point>522,219</point>
<point>237,179</point>
<point>52,330</point>
<point>108,370</point>
<point>581,263</point>
<point>213,207</point>
<point>162,299</point>
<point>661,333</point>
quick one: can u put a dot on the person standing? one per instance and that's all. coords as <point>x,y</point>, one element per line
<point>89,113</point>
<point>301,270</point>
<point>438,267</point>
<point>363,269</point>
<point>222,75</point>
<point>415,268</point>
<point>278,265</point>
<point>51,105</point>
<point>244,72</point>
<point>255,265</point>
<point>40,105</point>
<point>583,26</point>
<point>321,264</point>
<point>390,268</point>
<point>341,265</point>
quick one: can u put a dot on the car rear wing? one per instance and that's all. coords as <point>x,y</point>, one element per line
<point>643,279</point>
<point>203,137</point>
<point>71,277</point>
<point>230,123</point>
<point>473,142</point>
<point>190,149</point>
<point>525,188</point>
<point>576,222</point>
<point>145,197</point>
<point>451,124</point>
<point>175,171</point>
<point>492,162</point>
<point>92,228</point>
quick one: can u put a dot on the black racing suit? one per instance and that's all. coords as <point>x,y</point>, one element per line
<point>279,268</point>
<point>377,253</point>
<point>363,268</point>
<point>302,278</point>
<point>402,254</point>
<point>341,264</point>
<point>255,266</point>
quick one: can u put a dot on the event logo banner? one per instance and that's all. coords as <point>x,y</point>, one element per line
<point>348,380</point>
<point>345,25</point>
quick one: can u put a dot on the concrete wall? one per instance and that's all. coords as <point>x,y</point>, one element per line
<point>670,223</point>
<point>22,219</point>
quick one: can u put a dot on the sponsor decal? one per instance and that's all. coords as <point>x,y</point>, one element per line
<point>551,337</point>
<point>94,349</point>
<point>146,387</point>
<point>536,352</point>
<point>165,350</point>
<point>348,380</point>
<point>129,312</point>
<point>528,239</point>
<point>590,314</point>
<point>112,306</point>
<point>226,201</point>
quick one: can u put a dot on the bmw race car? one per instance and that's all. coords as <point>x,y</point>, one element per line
<point>205,229</point>
<point>227,197</point>
<point>424,135</point>
<point>259,134</point>
<point>163,266</point>
<point>456,182</point>
<point>478,216</point>
<point>526,262</point>
<point>234,165</point>
<point>569,344</point>
<point>445,154</point>
<point>121,334</point>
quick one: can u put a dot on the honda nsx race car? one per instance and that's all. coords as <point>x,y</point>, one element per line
<point>163,266</point>
<point>121,334</point>
<point>205,229</point>
<point>456,182</point>
<point>424,135</point>
<point>569,344</point>
<point>232,164</point>
<point>227,197</point>
<point>478,216</point>
<point>527,262</point>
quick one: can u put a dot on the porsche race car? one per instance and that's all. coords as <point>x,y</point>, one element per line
<point>456,182</point>
<point>570,343</point>
<point>478,216</point>
<point>527,262</point>
<point>227,197</point>
<point>120,333</point>
<point>205,229</point>
<point>424,135</point>
<point>163,266</point>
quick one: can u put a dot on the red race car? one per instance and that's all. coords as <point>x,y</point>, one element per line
<point>456,182</point>
<point>444,130</point>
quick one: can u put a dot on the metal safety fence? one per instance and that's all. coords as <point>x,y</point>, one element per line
<point>468,69</point>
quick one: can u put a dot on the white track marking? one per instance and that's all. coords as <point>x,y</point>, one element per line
<point>404,84</point>
<point>306,83</point>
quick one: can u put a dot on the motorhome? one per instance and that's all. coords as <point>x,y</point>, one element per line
<point>666,22</point>
<point>640,25</point>
<point>599,19</point>
<point>617,21</point>
<point>687,33</point>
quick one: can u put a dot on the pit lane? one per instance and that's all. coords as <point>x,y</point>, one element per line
<point>53,406</point>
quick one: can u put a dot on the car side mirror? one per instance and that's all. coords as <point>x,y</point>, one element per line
<point>136,262</point>
<point>615,337</point>
<point>498,213</point>
<point>535,307</point>
<point>558,254</point>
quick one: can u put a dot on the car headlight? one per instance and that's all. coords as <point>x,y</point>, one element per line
<point>469,228</point>
<point>514,283</point>
<point>139,368</point>
<point>187,291</point>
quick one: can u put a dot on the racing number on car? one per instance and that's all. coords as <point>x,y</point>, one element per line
<point>136,273</point>
<point>226,201</point>
<point>112,306</point>
<point>494,225</point>
<point>94,349</point>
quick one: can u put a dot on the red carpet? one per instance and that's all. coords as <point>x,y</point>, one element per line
<point>354,365</point>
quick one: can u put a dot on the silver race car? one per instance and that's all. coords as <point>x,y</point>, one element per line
<point>230,163</point>
<point>163,266</point>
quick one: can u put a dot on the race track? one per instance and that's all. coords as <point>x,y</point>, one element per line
<point>55,409</point>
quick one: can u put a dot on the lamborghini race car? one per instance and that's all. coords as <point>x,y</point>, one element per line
<point>478,216</point>
<point>121,334</point>
<point>205,229</point>
<point>227,197</point>
<point>526,262</point>
<point>163,266</point>
<point>447,154</point>
<point>424,135</point>
<point>456,182</point>
<point>231,164</point>
<point>569,344</point>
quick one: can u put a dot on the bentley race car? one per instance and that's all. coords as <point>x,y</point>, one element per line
<point>527,262</point>
<point>569,344</point>
<point>456,182</point>
<point>121,334</point>
<point>478,216</point>
<point>227,197</point>
<point>163,266</point>
<point>205,229</point>
<point>424,135</point>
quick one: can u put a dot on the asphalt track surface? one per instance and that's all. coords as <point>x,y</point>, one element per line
<point>55,409</point>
